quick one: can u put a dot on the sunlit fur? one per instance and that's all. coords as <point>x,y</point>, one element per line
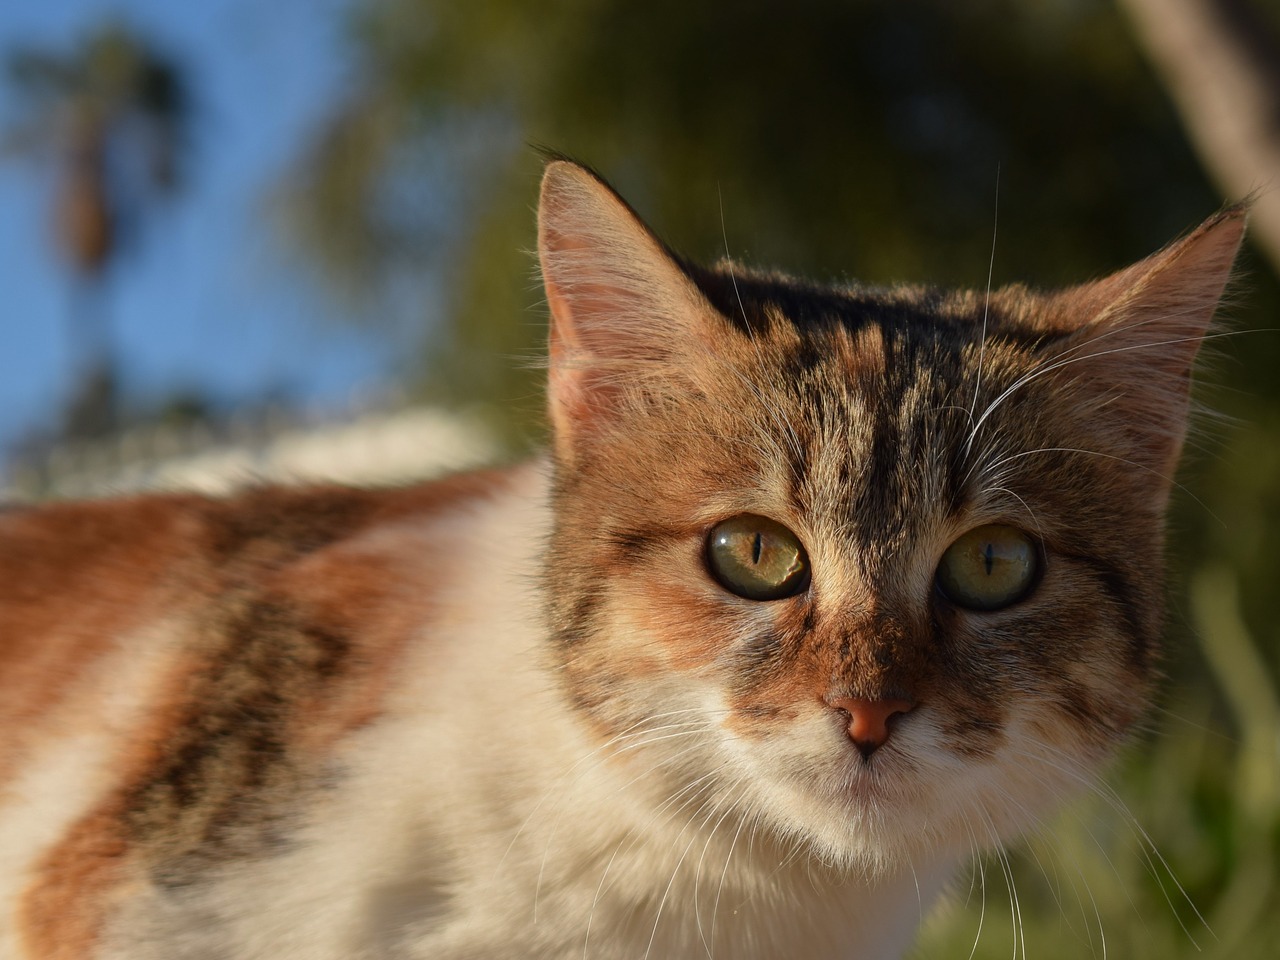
<point>512,714</point>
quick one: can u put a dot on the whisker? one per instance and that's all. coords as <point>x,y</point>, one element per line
<point>1006,868</point>
<point>593,755</point>
<point>751,816</point>
<point>1031,513</point>
<point>1068,357</point>
<point>1109,456</point>
<point>697,875</point>
<point>1150,851</point>
<point>1055,888</point>
<point>555,826</point>
<point>986,299</point>
<point>982,881</point>
<point>664,762</point>
<point>636,834</point>
<point>666,893</point>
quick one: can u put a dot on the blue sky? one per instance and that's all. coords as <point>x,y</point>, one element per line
<point>211,298</point>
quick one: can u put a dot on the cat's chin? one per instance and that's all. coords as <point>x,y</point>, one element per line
<point>911,802</point>
<point>865,819</point>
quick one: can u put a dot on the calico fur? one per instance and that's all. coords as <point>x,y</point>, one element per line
<point>511,714</point>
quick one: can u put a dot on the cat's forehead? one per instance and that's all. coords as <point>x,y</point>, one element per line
<point>873,397</point>
<point>903,351</point>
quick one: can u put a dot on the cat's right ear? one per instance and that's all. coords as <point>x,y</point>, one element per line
<point>1130,340</point>
<point>622,308</point>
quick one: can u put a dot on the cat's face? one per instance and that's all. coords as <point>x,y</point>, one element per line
<point>834,561</point>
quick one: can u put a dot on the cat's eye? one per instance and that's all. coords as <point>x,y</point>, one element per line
<point>757,558</point>
<point>989,568</point>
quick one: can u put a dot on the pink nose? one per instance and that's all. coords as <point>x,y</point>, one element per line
<point>869,720</point>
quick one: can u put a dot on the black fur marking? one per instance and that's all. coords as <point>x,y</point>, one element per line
<point>299,523</point>
<point>634,546</point>
<point>579,625</point>
<point>1121,593</point>
<point>231,742</point>
<point>225,772</point>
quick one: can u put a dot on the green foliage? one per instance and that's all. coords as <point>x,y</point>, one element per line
<point>859,139</point>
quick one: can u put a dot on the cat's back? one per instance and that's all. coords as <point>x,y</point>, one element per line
<point>178,674</point>
<point>83,581</point>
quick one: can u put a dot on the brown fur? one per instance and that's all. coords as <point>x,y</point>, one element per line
<point>49,648</point>
<point>63,912</point>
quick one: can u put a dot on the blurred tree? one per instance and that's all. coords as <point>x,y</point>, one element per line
<point>1221,63</point>
<point>111,117</point>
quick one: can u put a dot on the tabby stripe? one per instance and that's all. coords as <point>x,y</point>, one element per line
<point>1121,593</point>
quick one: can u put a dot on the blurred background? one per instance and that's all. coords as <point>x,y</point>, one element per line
<point>293,239</point>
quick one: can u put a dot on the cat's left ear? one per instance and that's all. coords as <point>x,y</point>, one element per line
<point>1134,335</point>
<point>623,311</point>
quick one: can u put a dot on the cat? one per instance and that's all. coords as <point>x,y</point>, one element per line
<point>817,592</point>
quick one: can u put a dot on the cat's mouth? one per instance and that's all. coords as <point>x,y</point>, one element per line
<point>877,777</point>
<point>884,769</point>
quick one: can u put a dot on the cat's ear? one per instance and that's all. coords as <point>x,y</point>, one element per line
<point>622,308</point>
<point>1134,336</point>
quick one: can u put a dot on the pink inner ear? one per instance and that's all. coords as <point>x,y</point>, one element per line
<point>565,349</point>
<point>579,386</point>
<point>623,312</point>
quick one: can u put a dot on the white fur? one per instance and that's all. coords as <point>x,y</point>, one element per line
<point>477,819</point>
<point>72,763</point>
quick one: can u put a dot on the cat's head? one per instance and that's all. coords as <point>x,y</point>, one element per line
<point>879,568</point>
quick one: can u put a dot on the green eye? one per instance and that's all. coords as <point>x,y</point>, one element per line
<point>757,558</point>
<point>989,568</point>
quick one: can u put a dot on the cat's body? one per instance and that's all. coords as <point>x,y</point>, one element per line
<point>544,712</point>
<point>431,796</point>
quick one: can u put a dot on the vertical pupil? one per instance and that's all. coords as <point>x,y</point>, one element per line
<point>990,560</point>
<point>756,545</point>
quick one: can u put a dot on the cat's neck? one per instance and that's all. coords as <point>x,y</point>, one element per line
<point>586,843</point>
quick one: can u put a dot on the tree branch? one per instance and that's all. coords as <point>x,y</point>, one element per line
<point>1221,65</point>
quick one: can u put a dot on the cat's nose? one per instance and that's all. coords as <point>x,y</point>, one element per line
<point>869,719</point>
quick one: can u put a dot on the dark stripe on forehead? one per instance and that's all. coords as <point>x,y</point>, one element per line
<point>881,498</point>
<point>887,471</point>
<point>808,440</point>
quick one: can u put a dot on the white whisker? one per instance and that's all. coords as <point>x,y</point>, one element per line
<point>1150,852</point>
<point>986,299</point>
